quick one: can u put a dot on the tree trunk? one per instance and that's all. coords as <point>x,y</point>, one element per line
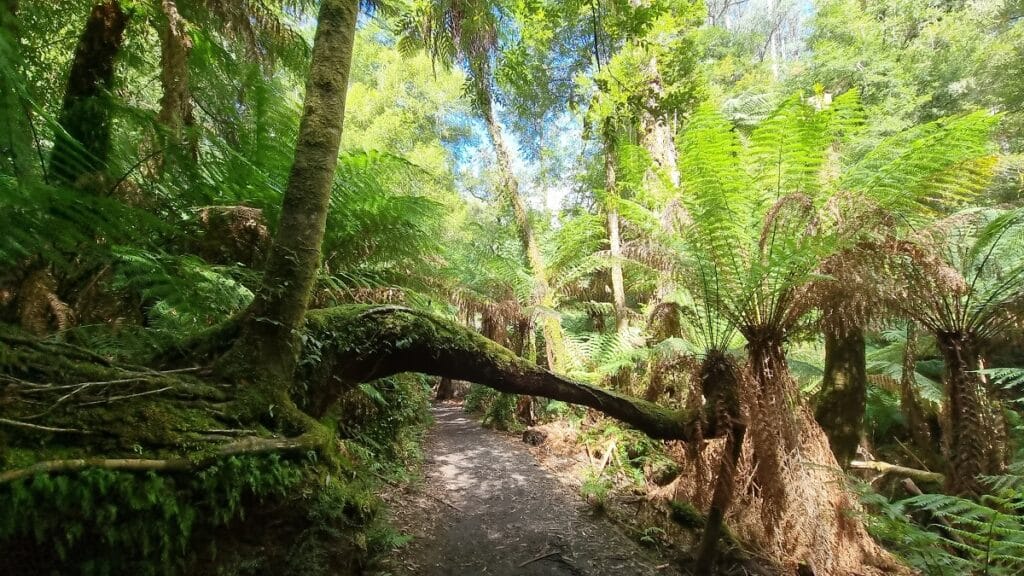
<point>16,150</point>
<point>269,344</point>
<point>615,245</point>
<point>843,393</point>
<point>910,403</point>
<point>358,345</point>
<point>656,133</point>
<point>720,381</point>
<point>554,339</point>
<point>445,390</point>
<point>82,144</point>
<point>975,432</point>
<point>176,113</point>
<point>806,514</point>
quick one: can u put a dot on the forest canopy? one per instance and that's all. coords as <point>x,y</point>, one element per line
<point>781,242</point>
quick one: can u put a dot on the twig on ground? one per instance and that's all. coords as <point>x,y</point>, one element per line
<point>539,558</point>
<point>427,494</point>
<point>127,396</point>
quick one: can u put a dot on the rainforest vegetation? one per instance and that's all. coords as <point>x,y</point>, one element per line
<point>774,248</point>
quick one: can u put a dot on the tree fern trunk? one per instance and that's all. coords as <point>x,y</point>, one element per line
<point>82,145</point>
<point>269,336</point>
<point>910,403</point>
<point>975,434</point>
<point>843,393</point>
<point>554,339</point>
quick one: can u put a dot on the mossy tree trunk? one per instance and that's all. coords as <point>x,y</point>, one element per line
<point>656,132</point>
<point>82,143</point>
<point>268,346</point>
<point>176,113</point>
<point>975,432</point>
<point>363,343</point>
<point>843,395</point>
<point>16,150</point>
<point>544,297</point>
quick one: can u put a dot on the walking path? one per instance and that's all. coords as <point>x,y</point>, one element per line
<point>487,508</point>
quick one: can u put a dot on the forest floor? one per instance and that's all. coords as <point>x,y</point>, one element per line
<point>487,507</point>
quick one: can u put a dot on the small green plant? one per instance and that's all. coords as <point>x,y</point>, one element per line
<point>596,488</point>
<point>652,536</point>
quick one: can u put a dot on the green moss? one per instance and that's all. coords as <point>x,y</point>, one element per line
<point>684,514</point>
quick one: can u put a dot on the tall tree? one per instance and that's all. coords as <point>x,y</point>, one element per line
<point>82,143</point>
<point>269,345</point>
<point>16,149</point>
<point>468,30</point>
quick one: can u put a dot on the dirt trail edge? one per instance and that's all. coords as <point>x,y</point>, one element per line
<point>486,507</point>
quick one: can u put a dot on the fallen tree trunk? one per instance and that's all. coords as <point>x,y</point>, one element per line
<point>361,343</point>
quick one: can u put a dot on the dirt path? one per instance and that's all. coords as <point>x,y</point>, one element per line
<point>486,507</point>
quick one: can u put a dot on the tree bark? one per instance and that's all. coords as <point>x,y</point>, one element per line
<point>843,395</point>
<point>720,386</point>
<point>268,344</point>
<point>656,134</point>
<point>16,150</point>
<point>82,143</point>
<point>975,432</point>
<point>615,244</point>
<point>554,339</point>
<point>176,113</point>
<point>445,390</point>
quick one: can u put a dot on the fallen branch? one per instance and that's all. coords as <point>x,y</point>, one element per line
<point>909,486</point>
<point>886,468</point>
<point>244,447</point>
<point>39,428</point>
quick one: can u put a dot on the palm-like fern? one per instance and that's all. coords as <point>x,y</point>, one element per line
<point>963,279</point>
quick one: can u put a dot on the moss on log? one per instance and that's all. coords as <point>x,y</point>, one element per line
<point>352,344</point>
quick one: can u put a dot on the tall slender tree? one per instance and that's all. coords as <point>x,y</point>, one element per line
<point>468,31</point>
<point>269,346</point>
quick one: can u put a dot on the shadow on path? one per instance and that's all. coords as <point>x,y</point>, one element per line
<point>486,507</point>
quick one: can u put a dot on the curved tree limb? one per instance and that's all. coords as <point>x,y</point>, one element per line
<point>349,344</point>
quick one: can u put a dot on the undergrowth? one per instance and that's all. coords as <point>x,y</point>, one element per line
<point>242,515</point>
<point>942,535</point>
